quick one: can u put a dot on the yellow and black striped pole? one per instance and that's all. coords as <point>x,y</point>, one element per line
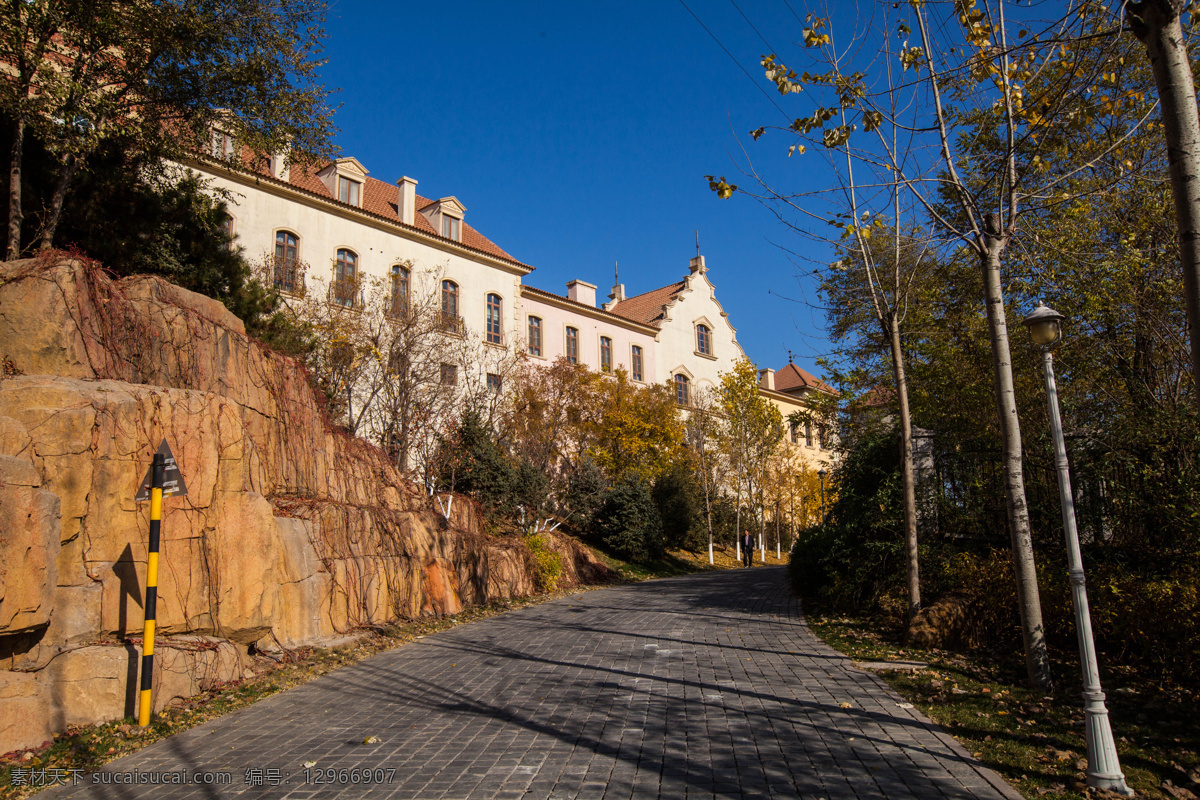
<point>156,495</point>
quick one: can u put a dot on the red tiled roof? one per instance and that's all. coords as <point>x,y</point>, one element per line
<point>647,308</point>
<point>792,379</point>
<point>527,289</point>
<point>381,199</point>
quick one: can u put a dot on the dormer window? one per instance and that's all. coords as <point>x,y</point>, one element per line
<point>445,216</point>
<point>349,190</point>
<point>222,144</point>
<point>344,179</point>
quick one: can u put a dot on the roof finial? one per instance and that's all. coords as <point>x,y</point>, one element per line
<point>616,274</point>
<point>697,242</point>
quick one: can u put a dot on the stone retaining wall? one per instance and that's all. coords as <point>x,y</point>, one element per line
<point>290,534</point>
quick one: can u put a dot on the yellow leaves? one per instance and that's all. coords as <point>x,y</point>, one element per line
<point>912,57</point>
<point>812,37</point>
<point>723,189</point>
<point>796,148</point>
<point>872,120</point>
<point>757,132</point>
<point>836,137</point>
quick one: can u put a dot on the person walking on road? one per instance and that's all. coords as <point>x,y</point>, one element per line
<point>747,548</point>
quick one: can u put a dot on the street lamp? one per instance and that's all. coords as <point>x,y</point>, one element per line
<point>821,473</point>
<point>1104,767</point>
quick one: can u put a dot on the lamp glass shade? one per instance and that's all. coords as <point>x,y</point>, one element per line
<point>822,473</point>
<point>1045,332</point>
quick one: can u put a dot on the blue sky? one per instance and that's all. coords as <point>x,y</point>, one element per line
<point>579,134</point>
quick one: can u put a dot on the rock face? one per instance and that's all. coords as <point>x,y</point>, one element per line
<point>290,533</point>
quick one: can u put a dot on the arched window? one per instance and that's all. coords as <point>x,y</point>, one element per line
<point>682,390</point>
<point>450,319</point>
<point>287,249</point>
<point>573,345</point>
<point>703,340</point>
<point>493,318</point>
<point>535,336</point>
<point>400,281</point>
<point>345,279</point>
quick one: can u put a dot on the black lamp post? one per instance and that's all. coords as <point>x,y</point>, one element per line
<point>1104,767</point>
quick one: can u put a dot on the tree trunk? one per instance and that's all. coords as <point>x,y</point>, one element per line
<point>1037,662</point>
<point>15,216</point>
<point>1156,23</point>
<point>65,176</point>
<point>912,557</point>
<point>737,522</point>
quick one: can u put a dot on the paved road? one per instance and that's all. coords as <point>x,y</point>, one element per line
<point>701,686</point>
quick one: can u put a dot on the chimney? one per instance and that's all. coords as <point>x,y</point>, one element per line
<point>279,167</point>
<point>406,207</point>
<point>697,265</point>
<point>617,295</point>
<point>766,377</point>
<point>582,292</point>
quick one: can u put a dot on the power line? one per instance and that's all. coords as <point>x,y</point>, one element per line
<point>751,24</point>
<point>739,64</point>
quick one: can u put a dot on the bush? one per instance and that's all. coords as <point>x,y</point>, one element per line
<point>856,558</point>
<point>547,562</point>
<point>628,522</point>
<point>677,500</point>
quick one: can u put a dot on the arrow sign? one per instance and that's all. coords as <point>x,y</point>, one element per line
<point>173,485</point>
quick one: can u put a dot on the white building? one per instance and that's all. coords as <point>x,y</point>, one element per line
<point>347,227</point>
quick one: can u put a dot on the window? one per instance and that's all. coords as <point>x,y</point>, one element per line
<point>703,340</point>
<point>348,190</point>
<point>227,226</point>
<point>635,362</point>
<point>494,382</point>
<point>449,375</point>
<point>822,441</point>
<point>535,336</point>
<point>345,279</point>
<point>605,354</point>
<point>400,281</point>
<point>222,144</point>
<point>794,433</point>
<point>682,395</point>
<point>808,433</point>
<point>286,275</point>
<point>452,228</point>
<point>450,319</point>
<point>573,345</point>
<point>493,319</point>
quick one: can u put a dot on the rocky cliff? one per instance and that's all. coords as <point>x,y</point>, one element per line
<point>290,533</point>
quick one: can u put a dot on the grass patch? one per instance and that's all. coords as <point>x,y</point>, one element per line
<point>1035,740</point>
<point>680,562</point>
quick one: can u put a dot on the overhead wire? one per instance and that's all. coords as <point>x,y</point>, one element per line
<point>751,78</point>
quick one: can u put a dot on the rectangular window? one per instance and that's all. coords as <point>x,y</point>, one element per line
<point>808,433</point>
<point>452,228</point>
<point>493,319</point>
<point>222,144</point>
<point>449,375</point>
<point>795,434</point>
<point>635,362</point>
<point>535,336</point>
<point>494,382</point>
<point>822,441</point>
<point>348,190</point>
<point>573,345</point>
<point>605,354</point>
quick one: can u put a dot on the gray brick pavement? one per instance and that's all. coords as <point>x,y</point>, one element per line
<point>704,686</point>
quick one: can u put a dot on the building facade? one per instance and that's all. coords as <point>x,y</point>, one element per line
<point>335,229</point>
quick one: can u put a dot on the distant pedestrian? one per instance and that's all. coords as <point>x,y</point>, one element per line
<point>747,548</point>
